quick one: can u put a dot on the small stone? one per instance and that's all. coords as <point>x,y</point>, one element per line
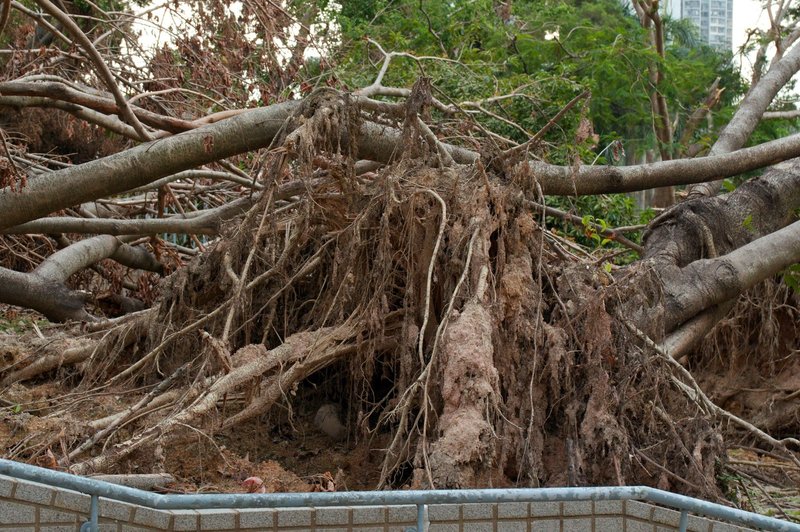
<point>327,420</point>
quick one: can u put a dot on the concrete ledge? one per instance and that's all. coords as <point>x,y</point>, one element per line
<point>31,507</point>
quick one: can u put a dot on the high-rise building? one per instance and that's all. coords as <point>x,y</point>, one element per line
<point>714,18</point>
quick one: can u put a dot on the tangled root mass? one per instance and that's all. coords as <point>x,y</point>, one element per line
<point>460,343</point>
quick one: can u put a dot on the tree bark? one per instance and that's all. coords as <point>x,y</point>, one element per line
<point>43,289</point>
<point>151,161</point>
<point>51,298</point>
<point>708,282</point>
<point>141,165</point>
<point>710,227</point>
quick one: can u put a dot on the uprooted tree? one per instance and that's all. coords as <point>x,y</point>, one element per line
<point>387,236</point>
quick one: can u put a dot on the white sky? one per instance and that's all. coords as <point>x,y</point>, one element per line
<point>749,14</point>
<point>746,14</point>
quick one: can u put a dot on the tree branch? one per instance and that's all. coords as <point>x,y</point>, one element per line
<point>149,162</point>
<point>708,282</point>
<point>51,298</point>
<point>609,232</point>
<point>787,115</point>
<point>110,123</point>
<point>59,91</point>
<point>141,165</point>
<point>102,69</point>
<point>749,113</point>
<point>4,14</point>
<point>65,262</point>
<point>205,222</point>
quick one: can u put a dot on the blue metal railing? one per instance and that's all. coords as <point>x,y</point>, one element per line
<point>420,498</point>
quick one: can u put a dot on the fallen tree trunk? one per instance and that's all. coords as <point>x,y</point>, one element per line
<point>256,129</point>
<point>468,346</point>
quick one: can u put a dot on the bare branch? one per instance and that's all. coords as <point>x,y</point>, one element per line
<point>62,264</point>
<point>51,298</point>
<point>149,162</point>
<point>142,164</point>
<point>206,222</point>
<point>749,113</point>
<point>40,19</point>
<point>57,90</point>
<point>785,115</point>
<point>699,114</point>
<point>4,14</point>
<point>550,123</point>
<point>111,123</point>
<point>99,64</point>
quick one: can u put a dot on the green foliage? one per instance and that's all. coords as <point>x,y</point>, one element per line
<point>593,228</point>
<point>544,51</point>
<point>747,223</point>
<point>729,483</point>
<point>791,277</point>
<point>728,185</point>
<point>20,324</point>
<point>605,211</point>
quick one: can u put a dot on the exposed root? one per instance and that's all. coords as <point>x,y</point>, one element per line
<point>431,307</point>
<point>251,362</point>
<point>34,364</point>
<point>696,394</point>
<point>749,366</point>
<point>464,451</point>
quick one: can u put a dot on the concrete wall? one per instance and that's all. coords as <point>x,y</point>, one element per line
<point>28,507</point>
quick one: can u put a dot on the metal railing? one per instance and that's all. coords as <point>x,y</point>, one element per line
<point>420,498</point>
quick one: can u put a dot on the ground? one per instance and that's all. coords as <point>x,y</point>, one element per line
<point>291,454</point>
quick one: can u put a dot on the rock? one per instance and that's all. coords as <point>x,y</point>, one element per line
<point>327,420</point>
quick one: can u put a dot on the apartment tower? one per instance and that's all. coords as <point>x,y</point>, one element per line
<point>714,18</point>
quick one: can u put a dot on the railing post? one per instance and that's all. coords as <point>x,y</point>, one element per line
<point>684,522</point>
<point>422,518</point>
<point>92,525</point>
